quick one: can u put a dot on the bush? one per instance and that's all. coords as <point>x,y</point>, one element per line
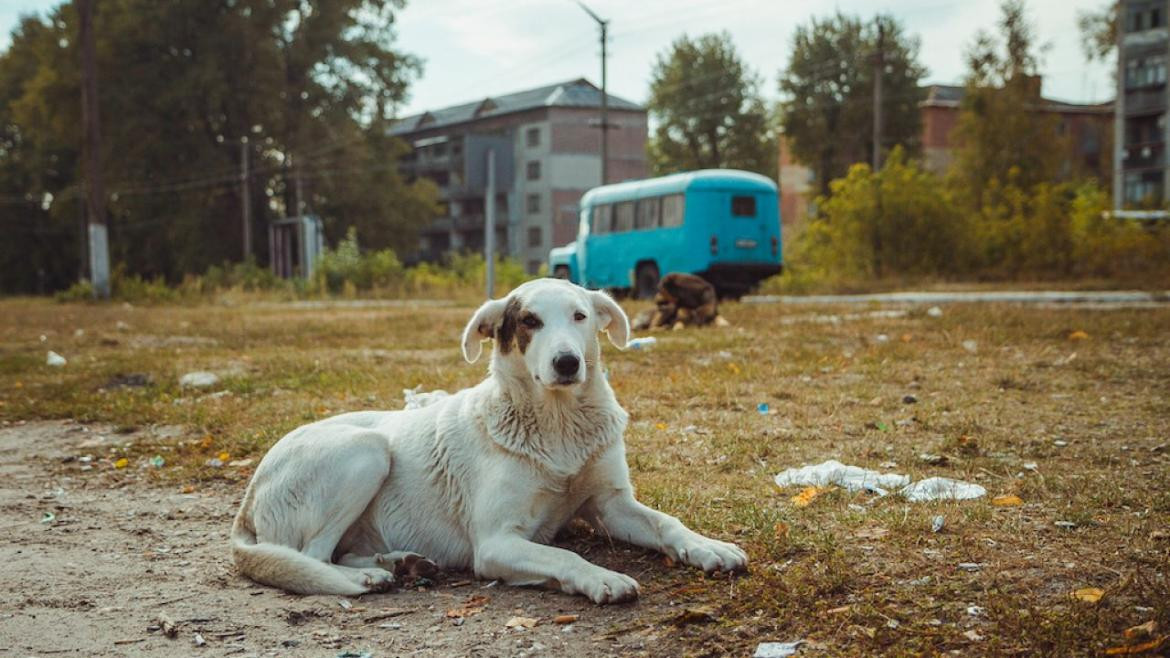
<point>346,270</point>
<point>903,223</point>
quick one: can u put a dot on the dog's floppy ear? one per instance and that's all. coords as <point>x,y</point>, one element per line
<point>611,319</point>
<point>481,327</point>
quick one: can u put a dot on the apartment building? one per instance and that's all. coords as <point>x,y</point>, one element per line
<point>1141,176</point>
<point>547,150</point>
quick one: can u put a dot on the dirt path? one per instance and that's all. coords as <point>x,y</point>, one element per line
<point>93,579</point>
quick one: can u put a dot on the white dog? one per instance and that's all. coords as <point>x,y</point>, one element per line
<point>481,479</point>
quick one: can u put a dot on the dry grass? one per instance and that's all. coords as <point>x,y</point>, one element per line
<point>852,575</point>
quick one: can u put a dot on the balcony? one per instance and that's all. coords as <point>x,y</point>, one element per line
<point>1143,155</point>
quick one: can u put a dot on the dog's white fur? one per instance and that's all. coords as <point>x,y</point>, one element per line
<point>481,479</point>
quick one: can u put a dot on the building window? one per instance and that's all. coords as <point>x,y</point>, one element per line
<point>532,137</point>
<point>1145,72</point>
<point>534,236</point>
<point>534,170</point>
<point>533,203</point>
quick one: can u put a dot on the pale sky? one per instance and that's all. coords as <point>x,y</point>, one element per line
<point>473,49</point>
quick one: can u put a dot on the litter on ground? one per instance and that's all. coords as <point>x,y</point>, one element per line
<point>852,478</point>
<point>54,359</point>
<point>855,478</point>
<point>777,649</point>
<point>199,379</point>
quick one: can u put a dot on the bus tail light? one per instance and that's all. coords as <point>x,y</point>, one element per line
<point>714,245</point>
<point>775,246</point>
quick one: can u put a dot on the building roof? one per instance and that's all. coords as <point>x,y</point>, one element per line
<point>574,93</point>
<point>952,96</point>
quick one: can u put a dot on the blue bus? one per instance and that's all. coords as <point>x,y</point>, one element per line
<point>721,224</point>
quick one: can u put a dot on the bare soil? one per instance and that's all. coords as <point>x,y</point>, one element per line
<point>96,576</point>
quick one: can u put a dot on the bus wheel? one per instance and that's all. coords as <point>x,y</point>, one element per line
<point>561,272</point>
<point>646,281</point>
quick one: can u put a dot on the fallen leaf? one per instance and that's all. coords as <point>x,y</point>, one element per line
<point>804,498</point>
<point>205,443</point>
<point>1152,645</point>
<point>1078,335</point>
<point>1141,630</point>
<point>780,531</point>
<point>472,605</point>
<point>668,561</point>
<point>1089,594</point>
<point>733,368</point>
<point>661,426</point>
<point>837,611</point>
<point>121,463</point>
<point>696,615</point>
<point>224,457</point>
<point>522,622</point>
<point>1008,500</point>
<point>564,619</point>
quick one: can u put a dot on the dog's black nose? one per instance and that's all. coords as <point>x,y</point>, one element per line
<point>566,365</point>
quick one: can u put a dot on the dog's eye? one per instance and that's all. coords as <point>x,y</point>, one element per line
<point>579,316</point>
<point>531,321</point>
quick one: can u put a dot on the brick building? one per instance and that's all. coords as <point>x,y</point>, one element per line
<point>1088,128</point>
<point>547,146</point>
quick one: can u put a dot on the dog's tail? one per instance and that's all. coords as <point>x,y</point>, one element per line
<point>282,566</point>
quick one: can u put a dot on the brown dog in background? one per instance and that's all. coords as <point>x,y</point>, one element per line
<point>682,300</point>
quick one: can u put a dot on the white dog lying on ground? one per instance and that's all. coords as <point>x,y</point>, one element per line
<point>481,479</point>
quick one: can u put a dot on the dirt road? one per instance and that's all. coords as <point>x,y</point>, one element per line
<point>89,570</point>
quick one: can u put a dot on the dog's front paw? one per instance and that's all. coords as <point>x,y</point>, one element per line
<point>712,555</point>
<point>603,586</point>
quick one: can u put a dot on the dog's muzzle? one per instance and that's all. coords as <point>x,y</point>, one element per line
<point>567,366</point>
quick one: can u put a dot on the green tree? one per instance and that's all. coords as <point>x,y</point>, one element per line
<point>311,86</point>
<point>828,89</point>
<point>706,103</point>
<point>899,221</point>
<point>1003,141</point>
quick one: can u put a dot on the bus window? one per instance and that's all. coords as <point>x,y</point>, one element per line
<point>648,210</point>
<point>623,216</point>
<point>601,219</point>
<point>672,210</point>
<point>743,206</point>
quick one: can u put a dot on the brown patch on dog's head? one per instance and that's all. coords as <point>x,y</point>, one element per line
<point>517,324</point>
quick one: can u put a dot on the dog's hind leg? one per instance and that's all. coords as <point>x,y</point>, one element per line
<point>317,489</point>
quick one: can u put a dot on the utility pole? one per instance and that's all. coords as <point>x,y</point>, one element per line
<point>1119,115</point>
<point>879,69</point>
<point>95,195</point>
<point>489,225</point>
<point>604,96</point>
<point>245,197</point>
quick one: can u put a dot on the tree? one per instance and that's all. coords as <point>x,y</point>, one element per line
<point>1099,31</point>
<point>828,88</point>
<point>1003,137</point>
<point>184,84</point>
<point>706,103</point>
